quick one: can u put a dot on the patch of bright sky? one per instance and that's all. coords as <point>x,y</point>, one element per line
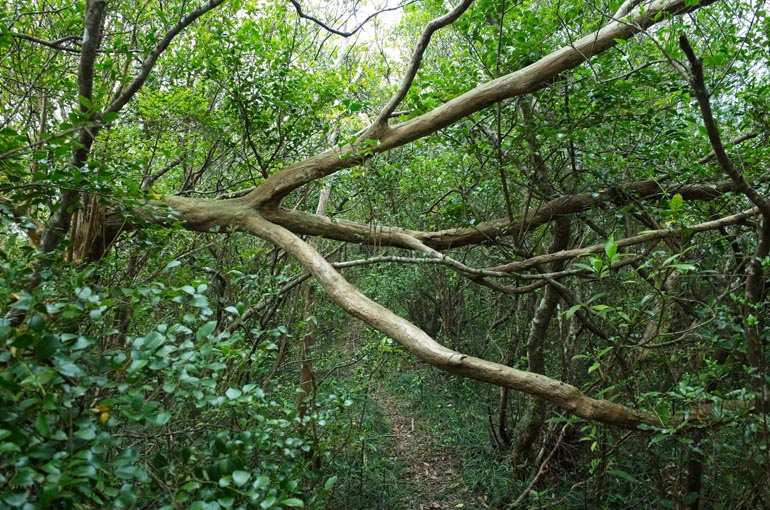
<point>350,15</point>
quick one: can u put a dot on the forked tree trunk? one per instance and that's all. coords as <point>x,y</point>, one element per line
<point>529,426</point>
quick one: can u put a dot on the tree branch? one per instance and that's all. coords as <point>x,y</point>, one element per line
<point>56,45</point>
<point>487,231</point>
<point>60,220</point>
<point>272,190</point>
<point>701,94</point>
<point>152,58</point>
<point>350,299</point>
<point>414,64</point>
<point>629,241</point>
<point>341,33</point>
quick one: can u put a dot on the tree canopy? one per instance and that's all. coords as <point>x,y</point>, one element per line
<point>200,200</point>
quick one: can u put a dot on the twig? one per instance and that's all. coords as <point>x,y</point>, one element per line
<point>541,470</point>
<point>56,45</point>
<point>342,33</point>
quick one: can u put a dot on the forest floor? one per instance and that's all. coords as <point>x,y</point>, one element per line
<point>432,475</point>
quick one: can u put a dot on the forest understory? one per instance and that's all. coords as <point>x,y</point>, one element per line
<point>419,254</point>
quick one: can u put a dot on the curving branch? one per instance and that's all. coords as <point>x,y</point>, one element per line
<point>414,64</point>
<point>704,101</point>
<point>652,235</point>
<point>419,343</point>
<point>157,51</point>
<point>382,138</point>
<point>56,45</point>
<point>342,33</point>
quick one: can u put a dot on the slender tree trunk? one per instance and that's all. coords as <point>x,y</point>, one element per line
<point>529,426</point>
<point>305,395</point>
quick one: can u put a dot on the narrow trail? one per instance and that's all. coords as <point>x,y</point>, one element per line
<point>432,477</point>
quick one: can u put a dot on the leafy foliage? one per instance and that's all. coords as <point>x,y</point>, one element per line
<point>583,231</point>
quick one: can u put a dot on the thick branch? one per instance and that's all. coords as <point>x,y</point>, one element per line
<point>343,230</point>
<point>60,220</point>
<point>564,396</point>
<point>271,191</point>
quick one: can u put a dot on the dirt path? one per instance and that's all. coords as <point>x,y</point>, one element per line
<point>432,476</point>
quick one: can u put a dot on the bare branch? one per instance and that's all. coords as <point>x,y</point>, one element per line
<point>350,299</point>
<point>343,33</point>
<point>56,45</point>
<point>631,72</point>
<point>629,241</point>
<point>414,64</point>
<point>542,467</point>
<point>704,101</point>
<point>150,181</point>
<point>152,58</point>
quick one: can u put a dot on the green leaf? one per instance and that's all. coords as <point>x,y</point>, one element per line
<point>293,502</point>
<point>85,102</point>
<point>262,481</point>
<point>26,476</point>
<point>610,248</point>
<point>205,330</point>
<point>84,470</point>
<point>572,310</point>
<point>126,497</point>
<point>190,486</point>
<point>161,418</point>
<point>126,472</point>
<point>268,502</point>
<point>137,365</point>
<point>330,483</point>
<point>86,433</point>
<point>47,346</point>
<point>84,293</point>
<point>9,447</point>
<point>241,477</point>
<point>16,499</point>
<point>683,267</point>
<point>622,474</point>
<point>69,369</point>
<point>39,378</point>
<point>41,426</point>
<point>676,203</point>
